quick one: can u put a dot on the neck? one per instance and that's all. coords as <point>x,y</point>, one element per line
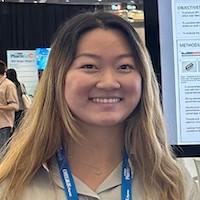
<point>94,158</point>
<point>99,146</point>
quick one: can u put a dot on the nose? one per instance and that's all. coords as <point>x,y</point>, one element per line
<point>108,80</point>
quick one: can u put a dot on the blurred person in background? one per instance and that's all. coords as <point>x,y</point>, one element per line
<point>8,105</point>
<point>11,74</point>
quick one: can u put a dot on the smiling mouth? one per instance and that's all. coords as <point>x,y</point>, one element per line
<point>106,100</point>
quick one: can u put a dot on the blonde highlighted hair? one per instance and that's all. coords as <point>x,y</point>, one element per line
<point>49,117</point>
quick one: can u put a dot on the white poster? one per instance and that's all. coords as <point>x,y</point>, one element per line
<point>179,30</point>
<point>186,42</point>
<point>24,62</point>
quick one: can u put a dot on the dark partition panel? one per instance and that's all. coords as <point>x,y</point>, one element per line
<point>27,26</point>
<point>152,33</point>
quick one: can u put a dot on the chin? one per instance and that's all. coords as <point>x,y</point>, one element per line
<point>107,123</point>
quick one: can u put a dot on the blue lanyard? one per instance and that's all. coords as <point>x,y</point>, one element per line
<point>69,185</point>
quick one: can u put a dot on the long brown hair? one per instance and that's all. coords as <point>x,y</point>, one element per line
<point>44,125</point>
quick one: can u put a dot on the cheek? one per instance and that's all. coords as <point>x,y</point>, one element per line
<point>75,90</point>
<point>71,92</point>
<point>134,90</point>
<point>135,84</point>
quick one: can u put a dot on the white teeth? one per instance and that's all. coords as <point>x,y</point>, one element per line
<point>106,100</point>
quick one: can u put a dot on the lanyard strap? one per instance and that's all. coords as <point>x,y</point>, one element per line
<point>126,191</point>
<point>69,185</point>
<point>66,175</point>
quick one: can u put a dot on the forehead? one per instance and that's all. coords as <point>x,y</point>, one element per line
<point>103,39</point>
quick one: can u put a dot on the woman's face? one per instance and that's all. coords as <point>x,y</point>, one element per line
<point>103,86</point>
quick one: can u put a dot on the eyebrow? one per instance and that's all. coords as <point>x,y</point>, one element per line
<point>126,55</point>
<point>87,55</point>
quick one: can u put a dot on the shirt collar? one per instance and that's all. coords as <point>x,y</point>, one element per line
<point>113,180</point>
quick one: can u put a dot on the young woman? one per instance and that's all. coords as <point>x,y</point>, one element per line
<point>95,129</point>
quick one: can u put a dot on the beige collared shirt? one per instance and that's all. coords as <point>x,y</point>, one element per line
<point>8,95</point>
<point>47,185</point>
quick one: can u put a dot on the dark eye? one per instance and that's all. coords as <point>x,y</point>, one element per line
<point>126,68</point>
<point>89,67</point>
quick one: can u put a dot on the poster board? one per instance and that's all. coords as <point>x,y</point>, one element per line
<point>24,62</point>
<point>180,69</point>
